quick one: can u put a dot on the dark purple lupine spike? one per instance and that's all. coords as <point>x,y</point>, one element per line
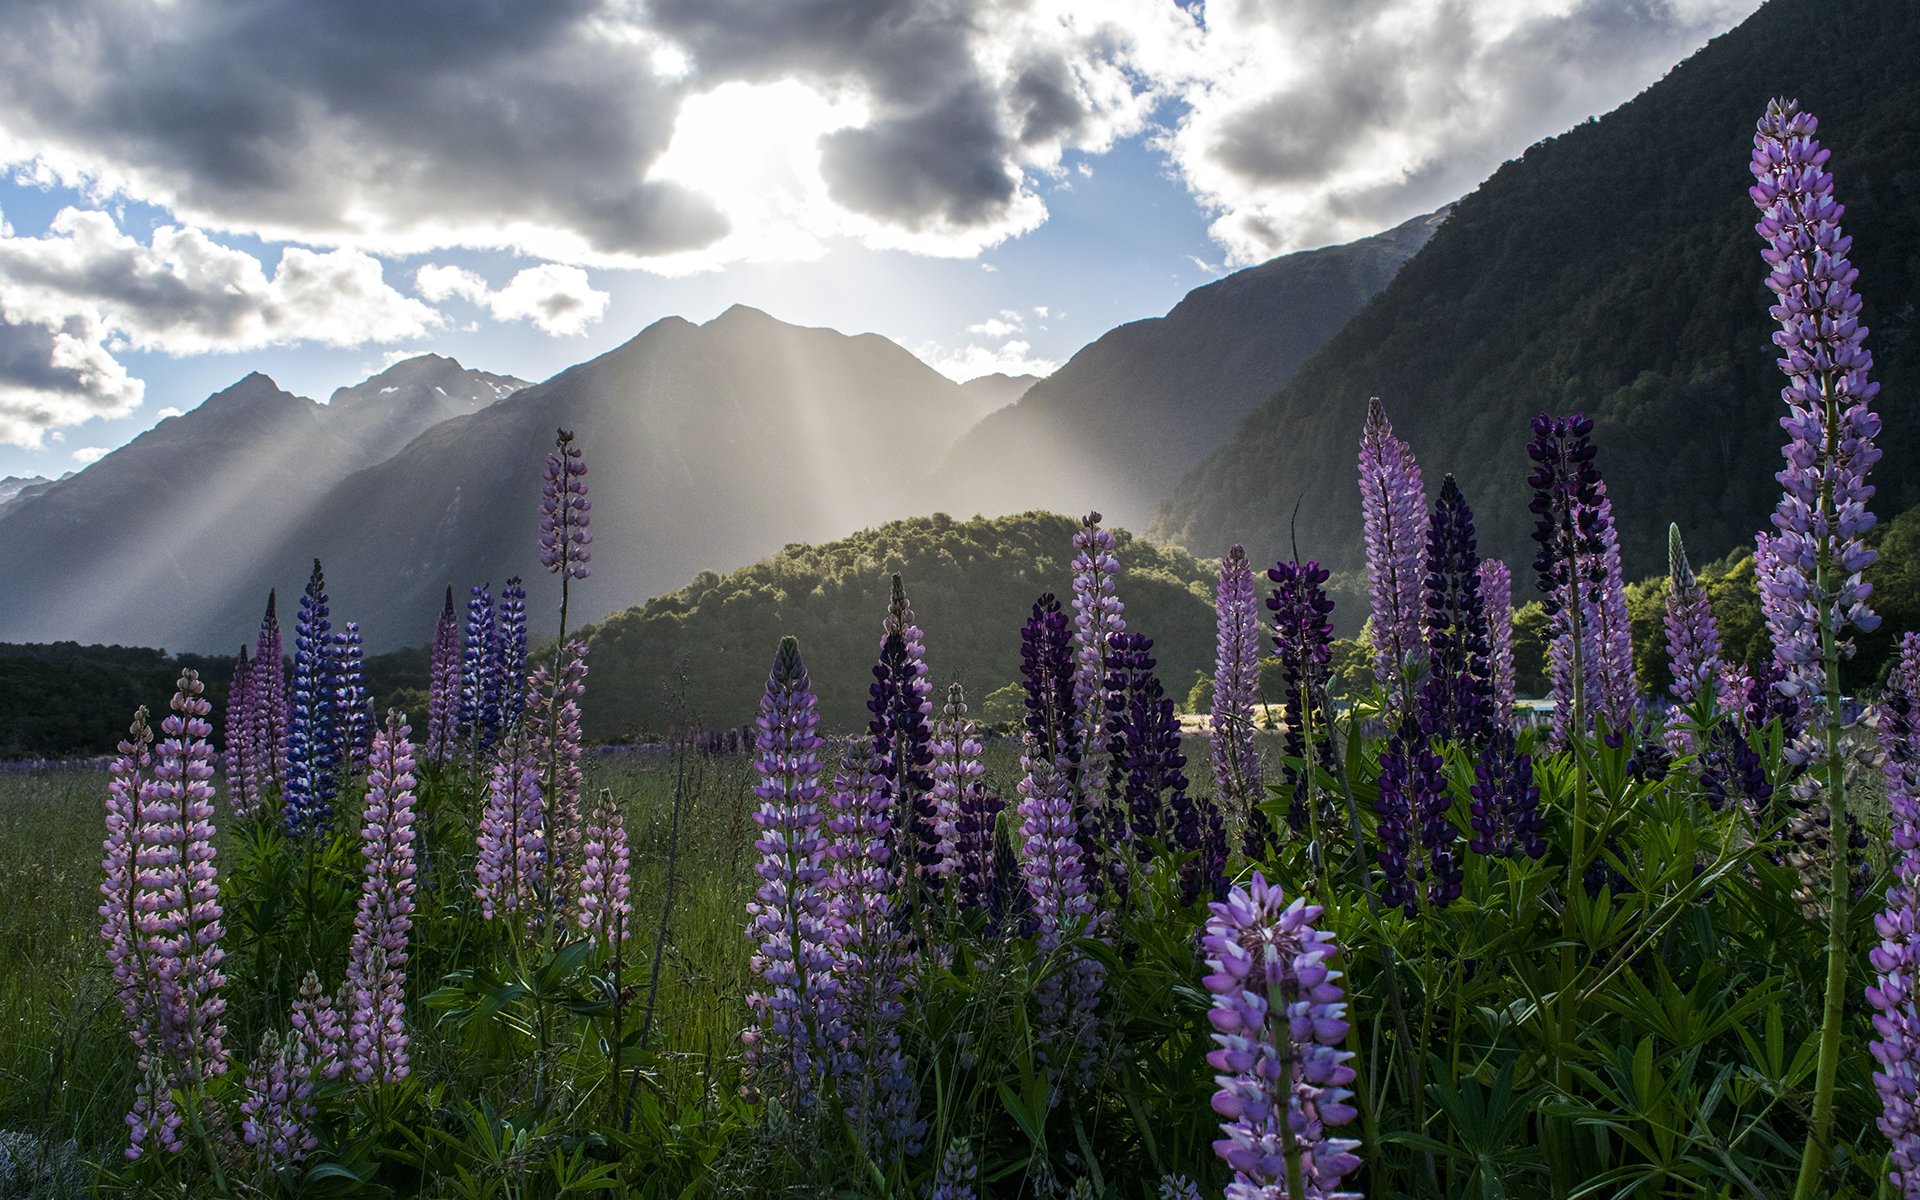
<point>313,725</point>
<point>479,678</point>
<point>1303,639</point>
<point>443,687</point>
<point>1506,804</point>
<point>240,760</point>
<point>1456,697</point>
<point>356,724</point>
<point>510,652</point>
<point>1416,837</point>
<point>901,739</point>
<point>1145,778</point>
<point>1731,761</point>
<point>271,712</point>
<point>1236,679</point>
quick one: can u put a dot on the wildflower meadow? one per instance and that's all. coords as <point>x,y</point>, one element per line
<point>1419,944</point>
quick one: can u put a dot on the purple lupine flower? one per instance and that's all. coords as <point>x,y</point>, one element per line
<point>1822,517</point>
<point>1496,593</point>
<point>1236,679</point>
<point>1145,777</point>
<point>479,674</point>
<point>1416,837</point>
<point>443,686</point>
<point>376,963</point>
<point>322,1031</point>
<point>1506,803</point>
<point>563,512</point>
<point>1693,644</point>
<point>1177,1187</point>
<point>1456,697</point>
<point>1730,760</point>
<point>126,885</point>
<point>240,760</point>
<point>901,743</point>
<point>314,718</point>
<point>510,866</point>
<point>1279,1017</point>
<point>271,713</point>
<point>555,735</point>
<point>1097,616</point>
<point>964,812</point>
<point>275,1107</point>
<point>1615,685</point>
<point>1896,961</point>
<point>1303,639</point>
<point>354,732</point>
<point>606,902</point>
<point>510,651</point>
<point>870,957</point>
<point>1393,505</point>
<point>790,1043</point>
<point>958,1177</point>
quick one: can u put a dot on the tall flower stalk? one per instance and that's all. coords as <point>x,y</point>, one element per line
<point>1699,687</point>
<point>790,1044</point>
<point>1822,517</point>
<point>1303,639</point>
<point>510,865</point>
<point>1236,679</point>
<point>606,901</point>
<point>963,811</point>
<point>563,542</point>
<point>1097,616</point>
<point>479,675</point>
<point>1456,697</point>
<point>901,744</point>
<point>270,699</point>
<point>554,713</point>
<point>1496,593</point>
<point>355,727</point>
<point>314,721</point>
<point>1896,961</point>
<point>377,960</point>
<point>1278,1017</point>
<point>443,686</point>
<point>1393,508</point>
<point>241,760</point>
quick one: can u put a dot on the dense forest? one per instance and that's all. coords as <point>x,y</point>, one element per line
<point>1613,269</point>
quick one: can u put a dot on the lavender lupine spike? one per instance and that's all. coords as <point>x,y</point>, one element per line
<point>870,957</point>
<point>356,720</point>
<point>1097,616</point>
<point>318,1024</point>
<point>795,1015</point>
<point>376,963</point>
<point>271,713</point>
<point>1895,995</point>
<point>1236,680</point>
<point>1279,1018</point>
<point>241,759</point>
<point>1416,854</point>
<point>958,1177</point>
<point>1456,697</point>
<point>510,652</point>
<point>563,511</point>
<point>443,686</point>
<point>1693,644</point>
<point>509,867</point>
<point>1393,507</point>
<point>964,812</point>
<point>314,720</point>
<point>276,1107</point>
<point>606,902</point>
<point>556,741</point>
<point>1303,639</point>
<point>1496,592</point>
<point>1616,686</point>
<point>479,675</point>
<point>127,885</point>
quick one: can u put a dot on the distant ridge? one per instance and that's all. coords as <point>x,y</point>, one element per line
<point>1613,269</point>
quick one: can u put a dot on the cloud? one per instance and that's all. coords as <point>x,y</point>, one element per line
<point>1010,358</point>
<point>88,455</point>
<point>71,298</point>
<point>558,300</point>
<point>993,327</point>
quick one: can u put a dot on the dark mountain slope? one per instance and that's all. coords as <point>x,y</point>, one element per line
<point>706,443</point>
<point>1613,269</point>
<point>1119,424</point>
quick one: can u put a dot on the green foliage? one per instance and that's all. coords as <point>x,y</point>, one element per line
<point>66,700</point>
<point>971,584</point>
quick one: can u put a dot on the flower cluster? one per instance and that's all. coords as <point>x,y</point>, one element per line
<point>443,686</point>
<point>964,811</point>
<point>1096,618</point>
<point>510,870</point>
<point>1416,837</point>
<point>789,1044</point>
<point>313,725</point>
<point>1822,517</point>
<point>276,1109</point>
<point>270,706</point>
<point>240,762</point>
<point>1393,506</point>
<point>480,683</point>
<point>606,904</point>
<point>1279,1017</point>
<point>901,742</point>
<point>354,727</point>
<point>376,964</point>
<point>1496,595</point>
<point>563,511</point>
<point>1236,679</point>
<point>510,651</point>
<point>1303,639</point>
<point>553,729</point>
<point>1456,697</point>
<point>1896,961</point>
<point>1506,804</point>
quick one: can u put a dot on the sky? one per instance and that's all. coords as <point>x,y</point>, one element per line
<point>191,190</point>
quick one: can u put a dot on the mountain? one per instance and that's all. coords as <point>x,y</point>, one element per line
<point>971,583</point>
<point>997,390</point>
<point>1615,270</point>
<point>714,443</point>
<point>141,546</point>
<point>13,485</point>
<point>1119,425</point>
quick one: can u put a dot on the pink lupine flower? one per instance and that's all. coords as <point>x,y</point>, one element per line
<point>605,879</point>
<point>376,965</point>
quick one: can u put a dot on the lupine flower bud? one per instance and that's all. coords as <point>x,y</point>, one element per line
<point>789,1046</point>
<point>563,511</point>
<point>1278,1017</point>
<point>1896,961</point>
<point>1393,506</point>
<point>443,686</point>
<point>376,964</point>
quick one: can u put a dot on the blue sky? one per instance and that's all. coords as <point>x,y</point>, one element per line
<point>526,188</point>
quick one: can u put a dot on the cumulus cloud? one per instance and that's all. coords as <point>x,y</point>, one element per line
<point>88,455</point>
<point>558,300</point>
<point>71,298</point>
<point>1009,358</point>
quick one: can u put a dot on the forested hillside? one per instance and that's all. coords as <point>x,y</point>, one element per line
<point>971,584</point>
<point>1613,269</point>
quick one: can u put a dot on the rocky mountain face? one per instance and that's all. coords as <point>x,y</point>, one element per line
<point>1612,270</point>
<point>143,546</point>
<point>1124,419</point>
<point>706,444</point>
